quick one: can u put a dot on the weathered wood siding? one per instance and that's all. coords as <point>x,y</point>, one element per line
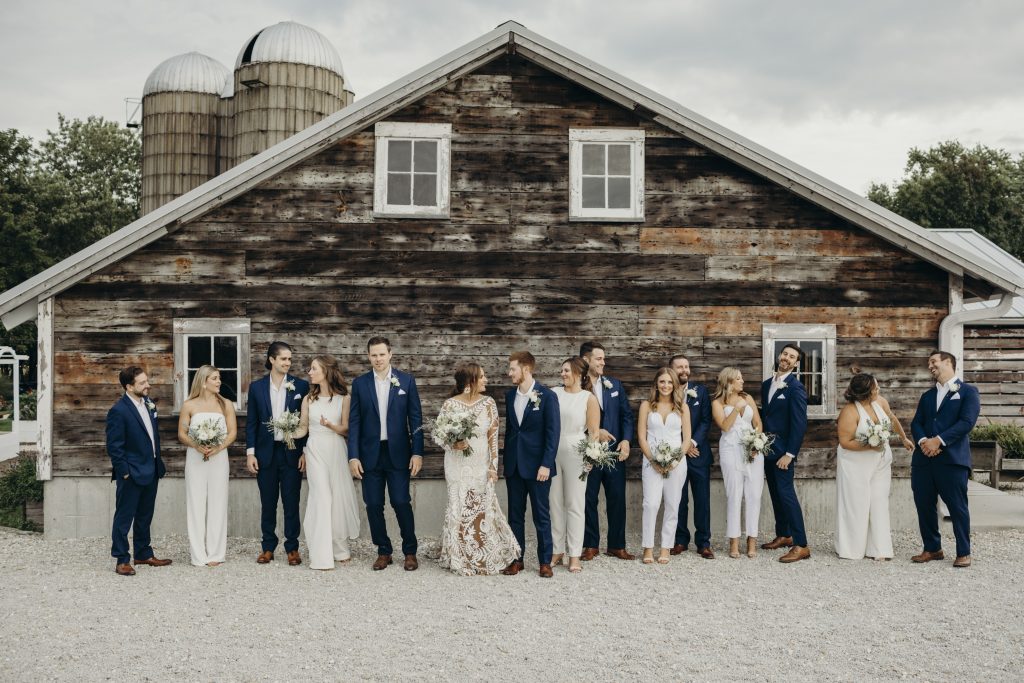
<point>721,252</point>
<point>994,361</point>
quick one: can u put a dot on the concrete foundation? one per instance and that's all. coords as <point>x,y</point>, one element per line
<point>77,507</point>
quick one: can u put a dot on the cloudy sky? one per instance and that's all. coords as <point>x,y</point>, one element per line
<point>842,88</point>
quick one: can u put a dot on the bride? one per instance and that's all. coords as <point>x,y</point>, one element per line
<point>476,538</point>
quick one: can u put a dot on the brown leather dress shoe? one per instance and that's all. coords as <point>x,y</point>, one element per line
<point>795,554</point>
<point>294,559</point>
<point>153,562</point>
<point>513,568</point>
<point>589,554</point>
<point>265,557</point>
<point>926,556</point>
<point>778,542</point>
<point>962,561</point>
<point>678,549</point>
<point>707,553</point>
<point>382,562</point>
<point>124,569</point>
<point>411,563</point>
<point>545,571</point>
<point>620,553</point>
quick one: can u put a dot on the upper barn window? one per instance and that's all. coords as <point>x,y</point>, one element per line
<point>606,174</point>
<point>412,170</point>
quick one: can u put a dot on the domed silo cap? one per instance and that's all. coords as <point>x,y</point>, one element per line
<point>190,72</point>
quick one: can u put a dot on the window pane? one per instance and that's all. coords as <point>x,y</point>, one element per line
<point>593,160</point>
<point>425,190</point>
<point>225,352</point>
<point>593,193</point>
<point>618,160</point>
<point>618,193</point>
<point>198,353</point>
<point>399,190</point>
<point>229,385</point>
<point>399,155</point>
<point>813,356</point>
<point>814,383</point>
<point>425,158</point>
<point>191,376</point>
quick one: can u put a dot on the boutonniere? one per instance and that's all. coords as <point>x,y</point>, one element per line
<point>692,393</point>
<point>534,398</point>
<point>289,385</point>
<point>606,382</point>
<point>394,381</point>
<point>954,387</point>
<point>782,385</point>
<point>150,406</point>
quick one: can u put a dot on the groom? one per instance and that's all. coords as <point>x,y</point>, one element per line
<point>941,462</point>
<point>267,454</point>
<point>532,426</point>
<point>698,465</point>
<point>784,413</point>
<point>384,419</point>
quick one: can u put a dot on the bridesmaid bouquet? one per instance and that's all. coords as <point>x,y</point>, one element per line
<point>877,435</point>
<point>756,443</point>
<point>453,425</point>
<point>208,433</point>
<point>665,455</point>
<point>288,423</point>
<point>595,454</point>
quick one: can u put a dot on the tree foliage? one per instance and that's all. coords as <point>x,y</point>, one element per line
<point>951,186</point>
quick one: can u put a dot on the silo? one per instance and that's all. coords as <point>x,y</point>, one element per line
<point>287,77</point>
<point>180,111</point>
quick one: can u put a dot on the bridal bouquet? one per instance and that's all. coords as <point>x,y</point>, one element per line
<point>877,435</point>
<point>453,425</point>
<point>208,433</point>
<point>595,454</point>
<point>755,443</point>
<point>665,455</point>
<point>288,423</point>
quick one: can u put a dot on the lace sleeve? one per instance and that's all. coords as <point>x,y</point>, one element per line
<point>492,435</point>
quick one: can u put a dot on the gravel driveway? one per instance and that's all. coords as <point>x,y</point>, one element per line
<point>64,614</point>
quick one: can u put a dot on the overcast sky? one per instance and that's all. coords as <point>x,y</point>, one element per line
<point>842,88</point>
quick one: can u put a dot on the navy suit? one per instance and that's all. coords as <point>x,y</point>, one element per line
<point>529,446</point>
<point>945,474</point>
<point>137,469</point>
<point>698,473</point>
<point>278,475</point>
<point>385,457</point>
<point>617,420</point>
<point>785,416</point>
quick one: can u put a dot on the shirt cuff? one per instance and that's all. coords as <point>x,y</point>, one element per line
<point>791,455</point>
<point>250,451</point>
<point>694,442</point>
<point>940,439</point>
<point>921,440</point>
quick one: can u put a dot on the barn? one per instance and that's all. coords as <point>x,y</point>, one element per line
<point>511,194</point>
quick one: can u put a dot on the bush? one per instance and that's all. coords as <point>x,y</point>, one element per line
<point>27,405</point>
<point>1010,437</point>
<point>17,487</point>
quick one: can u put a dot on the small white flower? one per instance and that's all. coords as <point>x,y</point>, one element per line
<point>606,382</point>
<point>534,398</point>
<point>289,385</point>
<point>394,381</point>
<point>692,393</point>
<point>954,387</point>
<point>782,385</point>
<point>150,406</point>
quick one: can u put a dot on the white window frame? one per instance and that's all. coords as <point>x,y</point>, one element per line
<point>384,133</point>
<point>623,136</point>
<point>770,334</point>
<point>221,327</point>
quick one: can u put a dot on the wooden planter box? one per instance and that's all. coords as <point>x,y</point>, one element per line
<point>34,513</point>
<point>987,456</point>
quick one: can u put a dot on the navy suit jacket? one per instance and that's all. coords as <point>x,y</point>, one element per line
<point>534,443</point>
<point>616,415</point>
<point>404,421</point>
<point>785,416</point>
<point>952,422</point>
<point>129,447</point>
<point>259,412</point>
<point>700,422</point>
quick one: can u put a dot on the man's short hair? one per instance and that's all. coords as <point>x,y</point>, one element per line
<point>274,350</point>
<point>587,347</point>
<point>799,352</point>
<point>127,376</point>
<point>944,355</point>
<point>525,359</point>
<point>374,341</point>
<point>676,357</point>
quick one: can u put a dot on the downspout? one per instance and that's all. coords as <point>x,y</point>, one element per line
<point>954,322</point>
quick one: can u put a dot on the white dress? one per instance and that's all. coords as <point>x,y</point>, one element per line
<point>658,489</point>
<point>475,537</point>
<point>332,514</point>
<point>744,479</point>
<point>568,497</point>
<point>863,480</point>
<point>206,500</point>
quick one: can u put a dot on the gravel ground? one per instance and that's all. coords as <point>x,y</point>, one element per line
<point>64,614</point>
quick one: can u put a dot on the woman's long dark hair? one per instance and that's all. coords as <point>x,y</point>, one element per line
<point>332,372</point>
<point>860,387</point>
<point>466,375</point>
<point>580,367</point>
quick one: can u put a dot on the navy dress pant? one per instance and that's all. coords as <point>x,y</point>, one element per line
<point>698,480</point>
<point>929,481</point>
<point>279,480</point>
<point>133,511</point>
<point>614,482</point>
<point>789,518</point>
<point>395,481</point>
<point>538,492</point>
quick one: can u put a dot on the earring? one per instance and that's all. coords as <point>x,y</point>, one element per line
<point>466,391</point>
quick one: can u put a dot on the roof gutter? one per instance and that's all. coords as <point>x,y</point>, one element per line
<point>953,322</point>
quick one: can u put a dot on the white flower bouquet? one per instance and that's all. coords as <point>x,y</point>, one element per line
<point>877,435</point>
<point>288,423</point>
<point>595,454</point>
<point>755,443</point>
<point>665,455</point>
<point>453,425</point>
<point>208,433</point>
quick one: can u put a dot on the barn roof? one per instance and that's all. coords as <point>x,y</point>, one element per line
<point>982,247</point>
<point>18,304</point>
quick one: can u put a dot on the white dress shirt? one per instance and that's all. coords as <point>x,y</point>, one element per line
<point>521,400</point>
<point>277,404</point>
<point>382,383</point>
<point>777,384</point>
<point>943,389</point>
<point>598,390</point>
<point>147,420</point>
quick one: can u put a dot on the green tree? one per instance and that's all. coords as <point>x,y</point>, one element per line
<point>951,186</point>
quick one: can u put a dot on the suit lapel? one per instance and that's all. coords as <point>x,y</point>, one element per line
<point>392,391</point>
<point>372,388</point>
<point>288,393</point>
<point>945,400</point>
<point>130,405</point>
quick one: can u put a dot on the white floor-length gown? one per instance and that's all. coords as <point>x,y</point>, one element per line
<point>568,497</point>
<point>206,499</point>
<point>657,488</point>
<point>863,480</point>
<point>743,479</point>
<point>332,513</point>
<point>475,537</point>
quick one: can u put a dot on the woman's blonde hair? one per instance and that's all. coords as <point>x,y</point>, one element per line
<point>203,374</point>
<point>726,377</point>
<point>678,398</point>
